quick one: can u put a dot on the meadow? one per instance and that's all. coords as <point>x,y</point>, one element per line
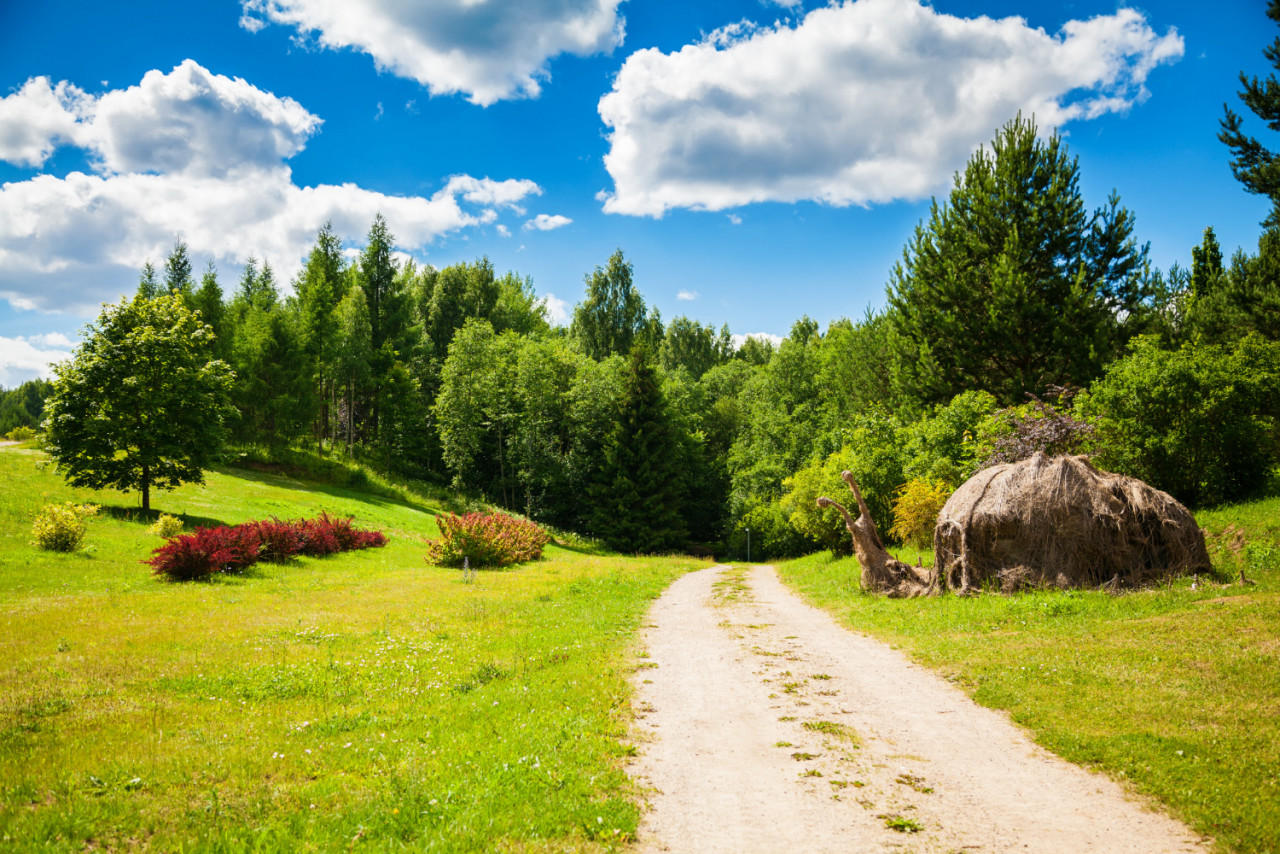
<point>1175,690</point>
<point>363,701</point>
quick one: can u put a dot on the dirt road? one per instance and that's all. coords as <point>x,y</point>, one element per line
<point>763,726</point>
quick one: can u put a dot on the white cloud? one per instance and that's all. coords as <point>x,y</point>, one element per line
<point>734,219</point>
<point>739,340</point>
<point>26,358</point>
<point>489,50</point>
<point>558,311</point>
<point>37,118</point>
<point>686,295</point>
<point>858,103</point>
<point>200,156</point>
<point>547,222</point>
<point>503,231</point>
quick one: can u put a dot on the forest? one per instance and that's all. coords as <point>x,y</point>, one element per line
<point>1016,320</point>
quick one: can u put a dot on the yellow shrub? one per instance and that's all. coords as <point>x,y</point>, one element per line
<point>915,510</point>
<point>60,527</point>
<point>166,526</point>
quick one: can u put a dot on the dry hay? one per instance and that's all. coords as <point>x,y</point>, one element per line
<point>1058,521</point>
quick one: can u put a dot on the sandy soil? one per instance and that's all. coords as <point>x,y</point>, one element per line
<point>737,666</point>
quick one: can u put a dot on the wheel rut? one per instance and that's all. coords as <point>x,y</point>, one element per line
<point>764,726</point>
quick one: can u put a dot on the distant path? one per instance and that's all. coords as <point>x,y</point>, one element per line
<point>708,727</point>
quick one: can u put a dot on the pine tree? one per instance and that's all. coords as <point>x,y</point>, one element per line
<point>1255,166</point>
<point>319,288</point>
<point>1011,286</point>
<point>638,499</point>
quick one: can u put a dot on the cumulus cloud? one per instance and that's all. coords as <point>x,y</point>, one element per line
<point>687,295</point>
<point>547,222</point>
<point>201,156</point>
<point>37,118</point>
<point>739,340</point>
<point>488,51</point>
<point>559,312</point>
<point>29,357</point>
<point>857,103</point>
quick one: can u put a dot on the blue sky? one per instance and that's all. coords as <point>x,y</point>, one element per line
<point>756,161</point>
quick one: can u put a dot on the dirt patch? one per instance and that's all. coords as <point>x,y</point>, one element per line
<point>767,727</point>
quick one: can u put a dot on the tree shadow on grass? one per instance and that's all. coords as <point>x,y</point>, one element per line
<point>139,516</point>
<point>349,493</point>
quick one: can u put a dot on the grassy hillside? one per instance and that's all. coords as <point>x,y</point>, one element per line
<point>361,701</point>
<point>1176,690</point>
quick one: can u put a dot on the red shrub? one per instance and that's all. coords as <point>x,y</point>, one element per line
<point>232,548</point>
<point>278,541</point>
<point>205,551</point>
<point>316,539</point>
<point>485,540</point>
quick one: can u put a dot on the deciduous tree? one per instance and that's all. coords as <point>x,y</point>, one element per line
<point>140,404</point>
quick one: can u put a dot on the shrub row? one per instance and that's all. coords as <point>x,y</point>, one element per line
<point>233,548</point>
<point>485,540</point>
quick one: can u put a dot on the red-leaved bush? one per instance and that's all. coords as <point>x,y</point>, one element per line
<point>485,540</point>
<point>232,548</point>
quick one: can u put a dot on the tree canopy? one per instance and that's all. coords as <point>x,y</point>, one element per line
<point>1011,286</point>
<point>1253,164</point>
<point>140,404</point>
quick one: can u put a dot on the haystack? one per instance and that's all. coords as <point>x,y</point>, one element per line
<point>1058,521</point>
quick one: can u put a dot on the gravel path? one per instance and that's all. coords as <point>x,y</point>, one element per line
<point>764,726</point>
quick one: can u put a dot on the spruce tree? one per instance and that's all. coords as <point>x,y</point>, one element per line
<point>177,272</point>
<point>638,498</point>
<point>208,301</point>
<point>148,287</point>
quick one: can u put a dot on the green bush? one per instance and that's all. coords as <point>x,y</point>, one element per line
<point>915,510</point>
<point>60,527</point>
<point>872,454</point>
<point>1199,422</point>
<point>941,446</point>
<point>20,434</point>
<point>166,526</point>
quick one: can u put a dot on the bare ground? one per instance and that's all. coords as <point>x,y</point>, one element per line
<point>766,727</point>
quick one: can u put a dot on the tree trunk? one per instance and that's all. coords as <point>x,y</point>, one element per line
<point>881,571</point>
<point>146,489</point>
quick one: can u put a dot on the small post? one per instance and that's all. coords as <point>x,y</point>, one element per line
<point>466,570</point>
<point>748,545</point>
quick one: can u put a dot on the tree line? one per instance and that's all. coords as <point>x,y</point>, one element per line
<point>1014,306</point>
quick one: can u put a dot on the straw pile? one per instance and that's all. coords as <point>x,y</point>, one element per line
<point>1058,521</point>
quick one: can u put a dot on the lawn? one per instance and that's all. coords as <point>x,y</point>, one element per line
<point>363,701</point>
<point>1175,690</point>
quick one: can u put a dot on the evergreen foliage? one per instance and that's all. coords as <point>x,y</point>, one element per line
<point>1253,164</point>
<point>1011,286</point>
<point>638,496</point>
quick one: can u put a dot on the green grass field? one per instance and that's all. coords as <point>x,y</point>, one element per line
<point>363,701</point>
<point>1175,690</point>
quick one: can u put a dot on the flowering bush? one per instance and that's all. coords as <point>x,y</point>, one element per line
<point>485,540</point>
<point>60,527</point>
<point>233,548</point>
<point>166,526</point>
